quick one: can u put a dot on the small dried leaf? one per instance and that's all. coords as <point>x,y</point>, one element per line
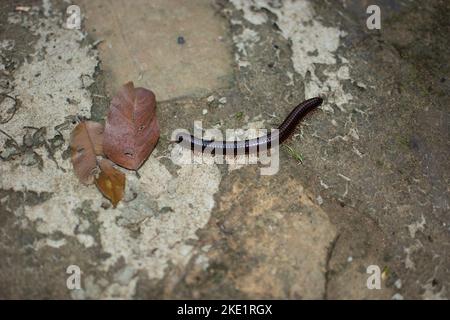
<point>86,143</point>
<point>110,182</point>
<point>131,130</point>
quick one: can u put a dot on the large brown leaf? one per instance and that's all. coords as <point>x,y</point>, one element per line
<point>131,130</point>
<point>110,182</point>
<point>86,143</point>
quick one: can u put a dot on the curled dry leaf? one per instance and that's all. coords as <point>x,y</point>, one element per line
<point>86,143</point>
<point>131,130</point>
<point>110,182</point>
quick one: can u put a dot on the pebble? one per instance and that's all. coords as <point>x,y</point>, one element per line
<point>319,200</point>
<point>397,296</point>
<point>223,100</point>
<point>361,85</point>
<point>204,111</point>
<point>181,40</point>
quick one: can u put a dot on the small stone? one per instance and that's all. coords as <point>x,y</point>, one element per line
<point>319,200</point>
<point>105,205</point>
<point>204,111</point>
<point>361,85</point>
<point>349,259</point>
<point>223,100</point>
<point>398,283</point>
<point>210,99</point>
<point>181,40</point>
<point>397,296</point>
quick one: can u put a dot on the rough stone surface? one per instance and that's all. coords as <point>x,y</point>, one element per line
<point>160,45</point>
<point>372,188</point>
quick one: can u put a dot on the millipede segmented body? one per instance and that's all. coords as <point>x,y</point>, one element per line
<point>251,145</point>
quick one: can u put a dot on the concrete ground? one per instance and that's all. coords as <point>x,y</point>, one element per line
<point>372,189</point>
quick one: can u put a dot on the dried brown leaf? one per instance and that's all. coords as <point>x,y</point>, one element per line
<point>86,143</point>
<point>132,129</point>
<point>110,182</point>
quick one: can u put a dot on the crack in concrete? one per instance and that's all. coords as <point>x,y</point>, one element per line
<point>327,265</point>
